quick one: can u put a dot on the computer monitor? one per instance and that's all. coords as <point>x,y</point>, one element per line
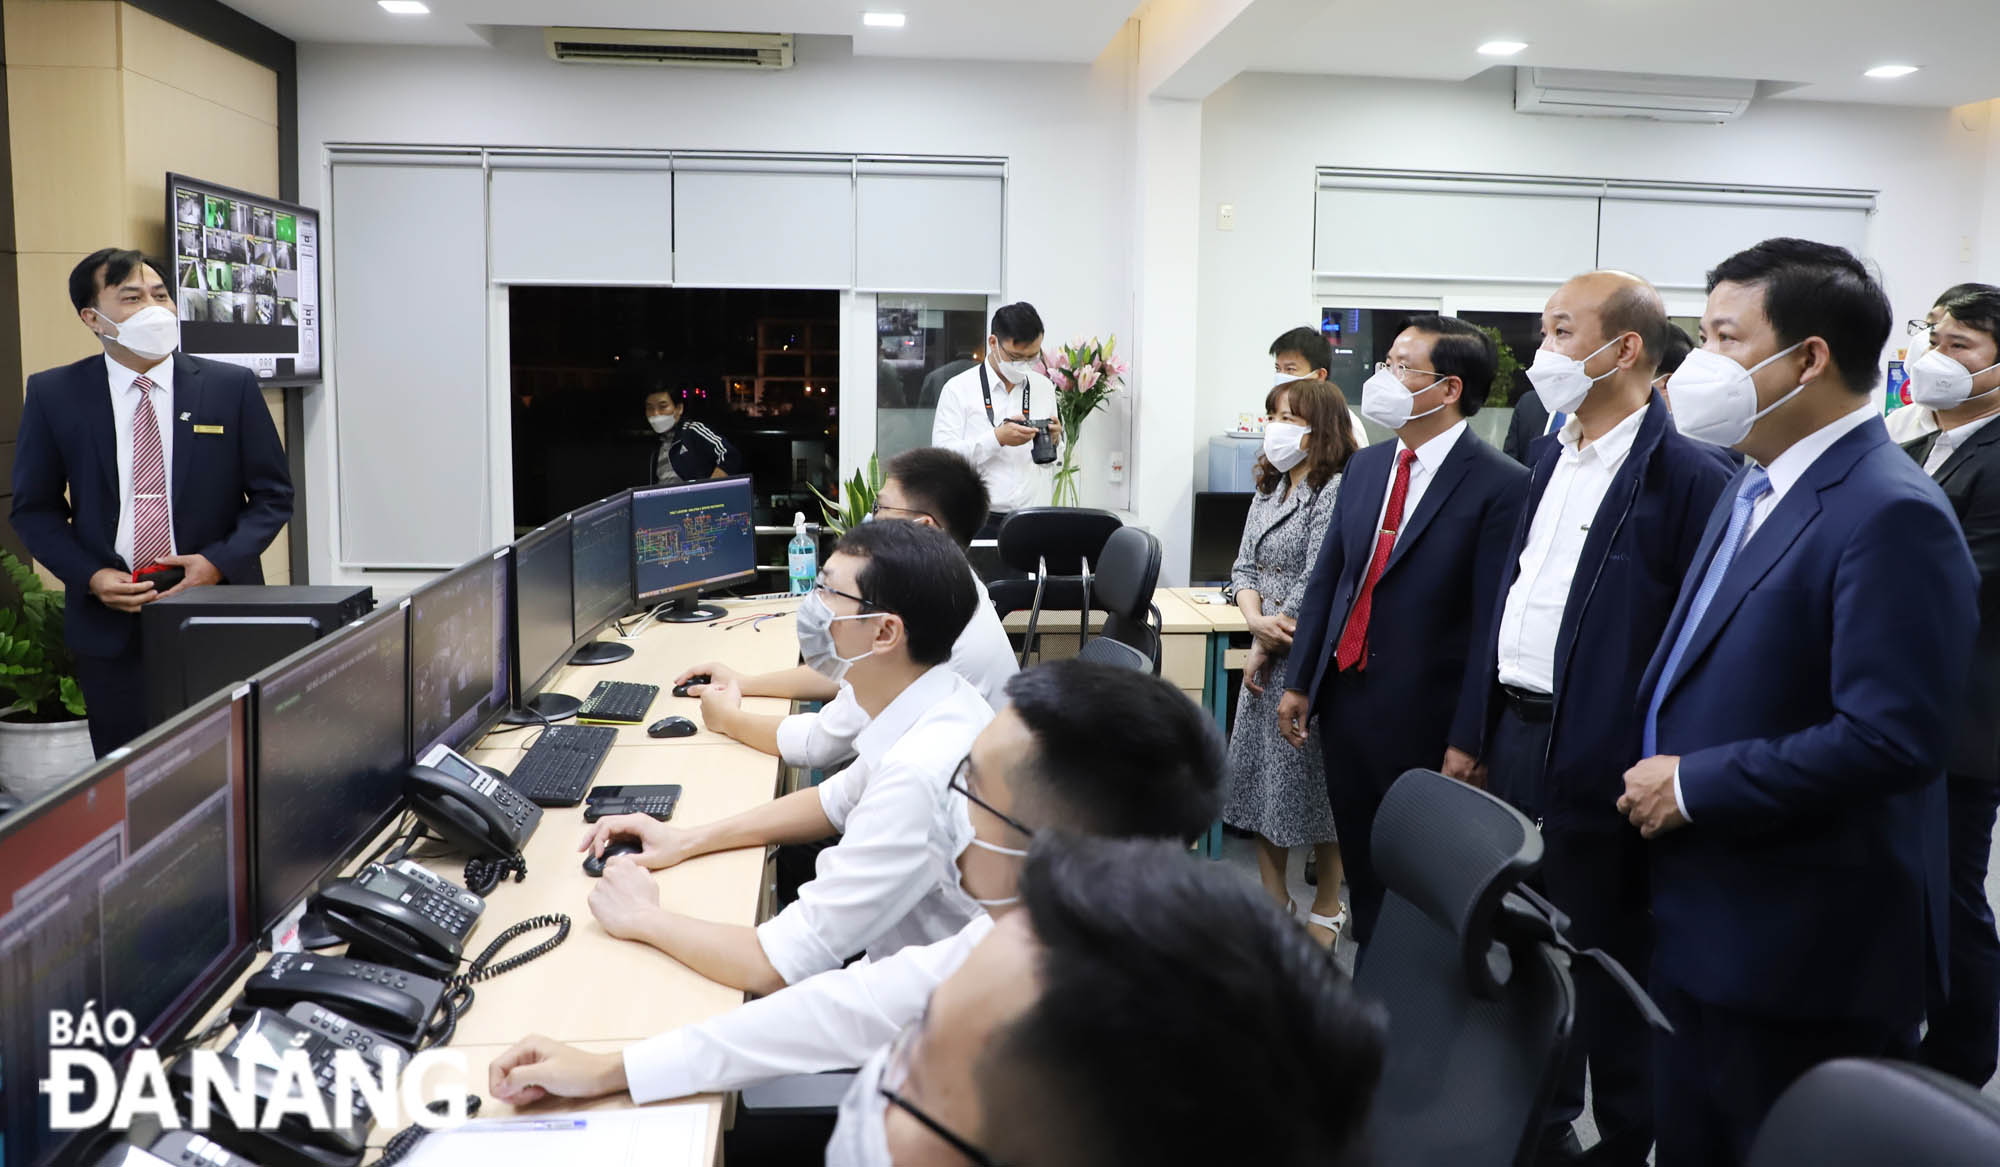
<point>458,655</point>
<point>128,888</point>
<point>333,740</point>
<point>691,536</point>
<point>600,537</point>
<point>246,279</point>
<point>543,634</point>
<point>1218,532</point>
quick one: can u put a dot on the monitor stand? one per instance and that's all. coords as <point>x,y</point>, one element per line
<point>314,934</point>
<point>543,707</point>
<point>684,610</point>
<point>601,652</point>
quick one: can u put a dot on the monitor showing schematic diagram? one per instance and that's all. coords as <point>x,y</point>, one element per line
<point>692,536</point>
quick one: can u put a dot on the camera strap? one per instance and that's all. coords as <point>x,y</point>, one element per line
<point>986,391</point>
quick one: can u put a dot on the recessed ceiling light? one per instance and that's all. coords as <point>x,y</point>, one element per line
<point>883,19</point>
<point>1892,71</point>
<point>1501,48</point>
<point>405,7</point>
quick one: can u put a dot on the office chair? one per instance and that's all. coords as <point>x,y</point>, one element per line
<point>1128,571</point>
<point>1106,651</point>
<point>1476,975</point>
<point>1055,546</point>
<point>1856,1111</point>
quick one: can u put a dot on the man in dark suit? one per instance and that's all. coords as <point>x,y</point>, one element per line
<point>1798,710</point>
<point>1617,502</point>
<point>1386,653</point>
<point>1530,422</point>
<point>166,460</point>
<point>1961,384</point>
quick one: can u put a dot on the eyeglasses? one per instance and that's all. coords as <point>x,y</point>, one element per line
<point>896,1075</point>
<point>961,781</point>
<point>1399,371</point>
<point>820,584</point>
<point>1916,326</point>
<point>875,512</point>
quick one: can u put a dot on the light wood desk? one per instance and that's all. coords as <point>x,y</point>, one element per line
<point>1184,635</point>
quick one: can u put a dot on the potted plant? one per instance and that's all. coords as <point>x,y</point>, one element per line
<point>43,737</point>
<point>1085,374</point>
<point>859,501</point>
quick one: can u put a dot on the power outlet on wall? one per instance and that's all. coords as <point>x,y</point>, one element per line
<point>1117,471</point>
<point>1225,217</point>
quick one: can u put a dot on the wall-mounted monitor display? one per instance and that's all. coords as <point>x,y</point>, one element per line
<point>246,279</point>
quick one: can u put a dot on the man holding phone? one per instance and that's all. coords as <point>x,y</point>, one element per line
<point>993,413</point>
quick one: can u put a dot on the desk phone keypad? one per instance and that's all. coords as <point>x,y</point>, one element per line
<point>504,796</point>
<point>192,1149</point>
<point>336,1028</point>
<point>661,808</point>
<point>287,962</point>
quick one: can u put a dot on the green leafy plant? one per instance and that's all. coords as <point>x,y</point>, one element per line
<point>35,664</point>
<point>1503,375</point>
<point>860,495</point>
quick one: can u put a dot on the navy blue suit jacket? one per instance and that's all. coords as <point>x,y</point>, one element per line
<point>1643,537</point>
<point>230,489</point>
<point>1812,712</point>
<point>1432,607</point>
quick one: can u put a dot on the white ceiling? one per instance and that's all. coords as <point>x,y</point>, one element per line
<point>1821,46</point>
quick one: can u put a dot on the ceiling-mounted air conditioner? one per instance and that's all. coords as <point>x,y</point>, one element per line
<point>1589,94</point>
<point>643,46</point>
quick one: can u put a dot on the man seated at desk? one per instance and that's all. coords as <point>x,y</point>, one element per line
<point>932,486</point>
<point>888,605</point>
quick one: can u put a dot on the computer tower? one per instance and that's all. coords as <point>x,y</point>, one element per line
<point>204,638</point>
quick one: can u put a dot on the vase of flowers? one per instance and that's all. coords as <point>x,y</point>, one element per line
<point>1085,373</point>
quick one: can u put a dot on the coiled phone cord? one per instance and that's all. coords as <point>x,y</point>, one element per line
<point>458,990</point>
<point>404,1141</point>
<point>483,875</point>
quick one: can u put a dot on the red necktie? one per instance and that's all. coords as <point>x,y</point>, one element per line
<point>1354,637</point>
<point>152,525</point>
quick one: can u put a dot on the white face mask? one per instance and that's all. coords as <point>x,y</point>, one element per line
<point>860,1133</point>
<point>1387,402</point>
<point>1715,399</point>
<point>1013,372</point>
<point>1561,382</point>
<point>153,332</point>
<point>815,622</point>
<point>1278,379</point>
<point>1939,382</point>
<point>962,837</point>
<point>1918,346</point>
<point>1282,446</point>
<point>662,422</point>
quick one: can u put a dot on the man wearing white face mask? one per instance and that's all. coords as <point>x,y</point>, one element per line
<point>1797,724</point>
<point>1090,748</point>
<point>1959,379</point>
<point>688,450</point>
<point>1914,420</point>
<point>985,414</point>
<point>1616,507</point>
<point>140,459</point>
<point>1303,354</point>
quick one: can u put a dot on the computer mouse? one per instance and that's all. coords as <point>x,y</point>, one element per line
<point>672,727</point>
<point>681,690</point>
<point>593,865</point>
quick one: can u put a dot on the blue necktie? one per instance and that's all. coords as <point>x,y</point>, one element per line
<point>1556,421</point>
<point>1756,485</point>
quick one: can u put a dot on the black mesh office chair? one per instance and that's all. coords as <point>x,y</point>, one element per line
<point>1056,547</point>
<point>1476,975</point>
<point>1128,571</point>
<point>1857,1112</point>
<point>1106,651</point>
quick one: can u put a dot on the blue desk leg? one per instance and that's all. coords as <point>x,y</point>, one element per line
<point>1215,698</point>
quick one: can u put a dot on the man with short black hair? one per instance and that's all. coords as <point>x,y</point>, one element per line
<point>884,613</point>
<point>984,413</point>
<point>1087,747</point>
<point>1303,354</point>
<point>1957,380</point>
<point>927,485</point>
<point>1796,725</point>
<point>140,458</point>
<point>1387,649</point>
<point>1673,350</point>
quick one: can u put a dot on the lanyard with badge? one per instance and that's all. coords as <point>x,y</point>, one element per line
<point>986,391</point>
<point>1044,451</point>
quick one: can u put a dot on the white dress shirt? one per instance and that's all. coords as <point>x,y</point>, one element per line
<point>1948,442</point>
<point>981,654</point>
<point>1430,456</point>
<point>1532,616</point>
<point>1012,479</point>
<point>892,880</point>
<point>833,1021</point>
<point>124,399</point>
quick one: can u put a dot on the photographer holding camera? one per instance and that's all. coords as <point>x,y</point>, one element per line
<point>989,414</point>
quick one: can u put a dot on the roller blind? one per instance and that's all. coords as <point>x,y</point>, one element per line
<point>763,224</point>
<point>1453,234</point>
<point>582,224</point>
<point>929,227</point>
<point>1673,243</point>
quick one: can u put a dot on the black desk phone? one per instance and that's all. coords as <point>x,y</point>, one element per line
<point>186,1148</point>
<point>469,808</point>
<point>260,1039</point>
<point>394,1003</point>
<point>401,915</point>
<point>657,801</point>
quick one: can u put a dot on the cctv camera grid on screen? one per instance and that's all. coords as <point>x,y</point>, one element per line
<point>247,280</point>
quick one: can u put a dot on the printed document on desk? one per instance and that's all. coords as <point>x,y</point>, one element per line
<point>658,1136</point>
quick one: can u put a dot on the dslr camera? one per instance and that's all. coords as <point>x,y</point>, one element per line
<point>1045,444</point>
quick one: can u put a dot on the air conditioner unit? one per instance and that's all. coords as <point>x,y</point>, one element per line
<point>643,46</point>
<point>1588,94</point>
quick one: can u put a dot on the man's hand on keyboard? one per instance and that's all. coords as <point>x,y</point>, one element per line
<point>664,845</point>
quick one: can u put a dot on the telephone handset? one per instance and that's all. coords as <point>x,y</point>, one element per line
<point>393,1002</point>
<point>401,915</point>
<point>469,808</point>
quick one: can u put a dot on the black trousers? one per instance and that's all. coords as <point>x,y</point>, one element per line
<point>1722,1069</point>
<point>114,690</point>
<point>1515,755</point>
<point>1963,1038</point>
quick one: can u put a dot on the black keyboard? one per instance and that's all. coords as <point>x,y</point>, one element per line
<point>558,768</point>
<point>618,702</point>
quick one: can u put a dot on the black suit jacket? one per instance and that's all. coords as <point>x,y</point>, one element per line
<point>229,486</point>
<point>1529,422</point>
<point>1970,479</point>
<point>1432,610</point>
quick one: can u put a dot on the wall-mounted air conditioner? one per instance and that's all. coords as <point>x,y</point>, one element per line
<point>1585,93</point>
<point>640,46</point>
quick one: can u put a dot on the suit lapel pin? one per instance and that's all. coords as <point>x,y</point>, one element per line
<point>186,416</point>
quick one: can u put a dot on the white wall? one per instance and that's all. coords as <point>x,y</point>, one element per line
<point>1062,127</point>
<point>1264,134</point>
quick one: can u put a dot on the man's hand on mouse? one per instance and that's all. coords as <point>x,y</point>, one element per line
<point>537,1067</point>
<point>663,845</point>
<point>717,674</point>
<point>626,900</point>
<point>720,700</point>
